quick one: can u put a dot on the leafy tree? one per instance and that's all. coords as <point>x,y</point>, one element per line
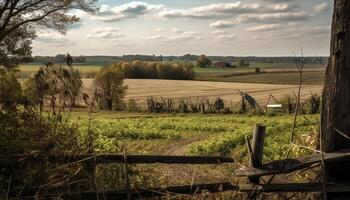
<point>20,18</point>
<point>203,61</point>
<point>109,82</point>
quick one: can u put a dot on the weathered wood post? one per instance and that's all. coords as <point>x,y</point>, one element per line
<point>336,97</point>
<point>257,150</point>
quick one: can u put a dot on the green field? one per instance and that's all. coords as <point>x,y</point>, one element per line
<point>193,134</point>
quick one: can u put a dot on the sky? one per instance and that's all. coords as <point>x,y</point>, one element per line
<point>211,27</point>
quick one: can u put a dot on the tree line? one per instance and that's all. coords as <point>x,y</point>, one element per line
<point>157,70</point>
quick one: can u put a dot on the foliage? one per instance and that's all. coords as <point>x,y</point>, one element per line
<point>20,18</point>
<point>157,70</point>
<point>109,83</point>
<point>203,61</point>
<point>10,91</point>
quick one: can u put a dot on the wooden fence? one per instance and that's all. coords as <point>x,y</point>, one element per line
<point>253,172</point>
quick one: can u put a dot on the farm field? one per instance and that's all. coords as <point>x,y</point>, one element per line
<point>194,135</point>
<point>140,89</point>
<point>310,77</point>
<point>273,73</point>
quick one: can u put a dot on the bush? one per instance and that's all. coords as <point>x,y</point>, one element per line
<point>157,70</point>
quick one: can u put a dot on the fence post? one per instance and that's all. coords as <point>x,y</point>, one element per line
<point>256,157</point>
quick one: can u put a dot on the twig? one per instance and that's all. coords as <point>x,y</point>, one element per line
<point>300,68</point>
<point>342,133</point>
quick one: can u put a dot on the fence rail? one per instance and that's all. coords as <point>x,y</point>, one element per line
<point>142,192</point>
<point>113,158</point>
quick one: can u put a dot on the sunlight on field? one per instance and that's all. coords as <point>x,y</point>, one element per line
<point>82,68</point>
<point>140,89</point>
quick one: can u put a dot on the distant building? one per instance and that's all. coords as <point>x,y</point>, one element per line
<point>222,64</point>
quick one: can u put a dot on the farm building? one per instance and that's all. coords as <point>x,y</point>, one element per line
<point>222,64</point>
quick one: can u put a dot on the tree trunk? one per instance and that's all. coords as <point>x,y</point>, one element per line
<point>336,94</point>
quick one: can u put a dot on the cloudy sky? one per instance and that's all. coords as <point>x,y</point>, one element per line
<point>212,27</point>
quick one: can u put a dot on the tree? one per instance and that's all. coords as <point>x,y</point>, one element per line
<point>336,97</point>
<point>109,82</point>
<point>19,18</point>
<point>203,61</point>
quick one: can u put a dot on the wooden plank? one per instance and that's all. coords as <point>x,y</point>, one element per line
<point>293,187</point>
<point>113,158</point>
<point>290,165</point>
<point>144,192</point>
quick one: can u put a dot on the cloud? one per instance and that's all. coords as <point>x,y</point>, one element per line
<point>222,24</point>
<point>265,27</point>
<point>274,17</point>
<point>129,10</point>
<point>218,32</point>
<point>226,37</point>
<point>155,37</point>
<point>105,33</point>
<point>323,7</point>
<point>54,39</point>
<point>176,30</point>
<point>210,11</point>
<point>222,10</point>
<point>177,36</point>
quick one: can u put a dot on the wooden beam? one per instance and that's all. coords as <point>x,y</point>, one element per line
<point>293,187</point>
<point>144,192</point>
<point>112,158</point>
<point>291,165</point>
